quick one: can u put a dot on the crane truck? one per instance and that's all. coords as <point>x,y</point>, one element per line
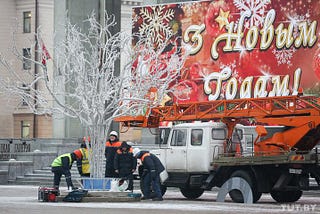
<point>281,158</point>
<point>247,61</point>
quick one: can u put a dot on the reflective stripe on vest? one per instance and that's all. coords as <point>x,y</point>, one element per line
<point>144,155</point>
<point>58,162</point>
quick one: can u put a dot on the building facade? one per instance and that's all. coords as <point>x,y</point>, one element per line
<point>16,120</point>
<point>23,16</point>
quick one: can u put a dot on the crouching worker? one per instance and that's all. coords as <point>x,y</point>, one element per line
<point>152,167</point>
<point>61,166</point>
<point>125,164</point>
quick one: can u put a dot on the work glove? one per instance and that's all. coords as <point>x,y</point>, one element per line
<point>153,174</point>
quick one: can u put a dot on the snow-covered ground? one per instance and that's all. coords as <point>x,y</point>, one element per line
<point>23,199</point>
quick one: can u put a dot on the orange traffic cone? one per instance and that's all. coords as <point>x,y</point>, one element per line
<point>238,150</point>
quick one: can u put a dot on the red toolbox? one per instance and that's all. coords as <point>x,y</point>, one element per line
<point>47,194</point>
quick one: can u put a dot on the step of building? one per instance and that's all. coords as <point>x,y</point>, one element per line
<point>44,177</point>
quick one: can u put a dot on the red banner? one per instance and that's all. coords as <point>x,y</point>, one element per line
<point>240,48</point>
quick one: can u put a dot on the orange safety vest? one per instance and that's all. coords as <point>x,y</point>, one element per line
<point>115,144</point>
<point>85,161</point>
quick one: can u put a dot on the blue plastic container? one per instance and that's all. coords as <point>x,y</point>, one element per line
<point>96,183</point>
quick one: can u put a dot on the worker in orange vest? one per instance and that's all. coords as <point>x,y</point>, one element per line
<point>83,164</point>
<point>125,164</point>
<point>152,167</point>
<point>110,150</point>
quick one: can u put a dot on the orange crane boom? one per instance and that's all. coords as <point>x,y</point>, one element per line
<point>303,113</point>
<point>259,108</point>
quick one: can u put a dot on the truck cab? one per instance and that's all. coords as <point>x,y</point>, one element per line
<point>188,152</point>
<point>191,147</point>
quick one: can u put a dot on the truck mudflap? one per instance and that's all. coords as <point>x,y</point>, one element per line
<point>208,183</point>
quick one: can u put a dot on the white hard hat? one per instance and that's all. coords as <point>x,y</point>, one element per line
<point>136,151</point>
<point>114,133</point>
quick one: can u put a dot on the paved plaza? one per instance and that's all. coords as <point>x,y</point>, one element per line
<point>23,199</point>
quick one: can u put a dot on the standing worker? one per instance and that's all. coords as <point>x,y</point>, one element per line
<point>61,166</point>
<point>83,164</point>
<point>152,167</point>
<point>125,164</point>
<point>110,150</point>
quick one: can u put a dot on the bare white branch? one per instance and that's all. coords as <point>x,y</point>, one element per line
<point>84,84</point>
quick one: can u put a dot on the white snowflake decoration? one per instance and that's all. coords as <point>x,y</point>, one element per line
<point>284,56</point>
<point>257,8</point>
<point>295,19</point>
<point>156,23</point>
<point>191,8</point>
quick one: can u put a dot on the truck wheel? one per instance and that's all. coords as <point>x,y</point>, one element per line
<point>236,195</point>
<point>286,196</point>
<point>191,193</point>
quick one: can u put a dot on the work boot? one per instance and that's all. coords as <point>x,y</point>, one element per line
<point>157,199</point>
<point>129,189</point>
<point>57,191</point>
<point>145,198</point>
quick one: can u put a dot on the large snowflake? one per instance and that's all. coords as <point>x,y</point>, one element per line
<point>156,23</point>
<point>284,56</point>
<point>257,8</point>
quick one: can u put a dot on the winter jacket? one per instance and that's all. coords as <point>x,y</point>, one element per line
<point>65,161</point>
<point>150,162</point>
<point>124,162</point>
<point>110,151</point>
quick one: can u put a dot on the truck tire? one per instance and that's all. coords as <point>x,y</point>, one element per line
<point>236,195</point>
<point>286,196</point>
<point>191,193</point>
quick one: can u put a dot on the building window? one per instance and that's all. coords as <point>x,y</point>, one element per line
<point>27,22</point>
<point>25,129</point>
<point>26,58</point>
<point>27,91</point>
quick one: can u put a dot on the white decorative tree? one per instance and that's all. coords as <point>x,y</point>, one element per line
<point>84,84</point>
